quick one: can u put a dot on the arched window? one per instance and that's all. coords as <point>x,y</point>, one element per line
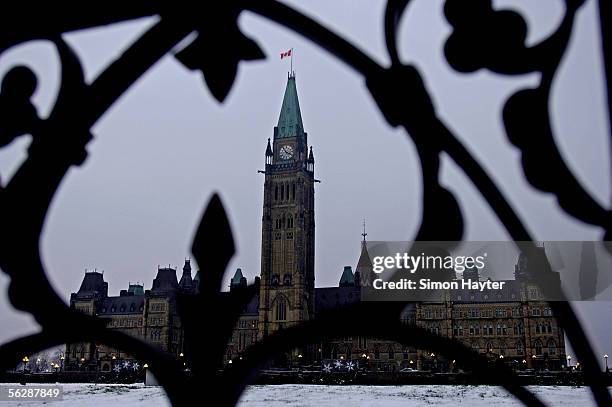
<point>290,222</point>
<point>538,347</point>
<point>281,309</point>
<point>287,190</point>
<point>282,190</point>
<point>552,347</point>
<point>489,347</point>
<point>293,191</point>
<point>503,348</point>
<point>276,193</point>
<point>519,348</point>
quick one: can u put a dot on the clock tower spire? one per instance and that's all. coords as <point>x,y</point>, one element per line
<point>287,246</point>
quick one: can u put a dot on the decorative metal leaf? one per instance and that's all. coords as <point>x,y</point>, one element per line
<point>218,60</point>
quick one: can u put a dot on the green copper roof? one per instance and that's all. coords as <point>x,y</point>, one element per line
<point>290,119</point>
<point>137,289</point>
<point>237,277</point>
<point>347,276</point>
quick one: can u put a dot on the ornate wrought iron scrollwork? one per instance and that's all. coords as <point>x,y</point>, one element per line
<point>481,38</point>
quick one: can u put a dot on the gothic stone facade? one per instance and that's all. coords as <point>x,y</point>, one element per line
<point>149,315</point>
<point>516,328</point>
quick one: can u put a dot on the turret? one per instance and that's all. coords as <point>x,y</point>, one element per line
<point>311,161</point>
<point>238,281</point>
<point>347,279</point>
<point>186,283</point>
<point>269,153</point>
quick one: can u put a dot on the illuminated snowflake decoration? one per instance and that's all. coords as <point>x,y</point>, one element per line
<point>350,366</point>
<point>327,368</point>
<point>338,364</point>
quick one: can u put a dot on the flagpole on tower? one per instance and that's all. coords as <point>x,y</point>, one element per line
<point>291,61</point>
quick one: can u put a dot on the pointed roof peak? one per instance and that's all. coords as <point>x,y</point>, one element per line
<point>290,119</point>
<point>237,276</point>
<point>347,278</point>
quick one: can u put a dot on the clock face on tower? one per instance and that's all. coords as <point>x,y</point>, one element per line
<point>286,152</point>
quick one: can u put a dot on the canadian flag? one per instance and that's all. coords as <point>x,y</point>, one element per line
<point>286,54</point>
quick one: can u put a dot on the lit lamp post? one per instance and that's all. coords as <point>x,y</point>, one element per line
<point>606,359</point>
<point>569,362</point>
<point>25,361</point>
<point>62,358</point>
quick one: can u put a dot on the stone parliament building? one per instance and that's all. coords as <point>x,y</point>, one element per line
<point>517,328</point>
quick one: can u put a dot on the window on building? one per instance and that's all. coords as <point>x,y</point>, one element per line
<point>290,222</point>
<point>489,347</point>
<point>549,328</point>
<point>504,330</point>
<point>293,191</point>
<point>499,329</point>
<point>503,349</point>
<point>538,347</point>
<point>363,342</point>
<point>552,347</point>
<point>477,329</point>
<point>276,193</point>
<point>471,329</point>
<point>281,309</point>
<point>535,312</point>
<point>519,348</point>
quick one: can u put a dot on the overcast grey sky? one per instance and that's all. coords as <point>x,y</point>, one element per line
<point>166,145</point>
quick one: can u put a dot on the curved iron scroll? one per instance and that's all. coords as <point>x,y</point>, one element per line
<point>59,143</point>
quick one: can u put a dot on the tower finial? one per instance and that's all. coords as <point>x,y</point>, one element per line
<point>364,234</point>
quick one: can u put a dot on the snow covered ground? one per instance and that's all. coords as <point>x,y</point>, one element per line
<point>79,395</point>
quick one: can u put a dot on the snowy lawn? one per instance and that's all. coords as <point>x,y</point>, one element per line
<point>119,395</point>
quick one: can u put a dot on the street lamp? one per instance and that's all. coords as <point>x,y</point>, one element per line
<point>62,362</point>
<point>569,361</point>
<point>606,359</point>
